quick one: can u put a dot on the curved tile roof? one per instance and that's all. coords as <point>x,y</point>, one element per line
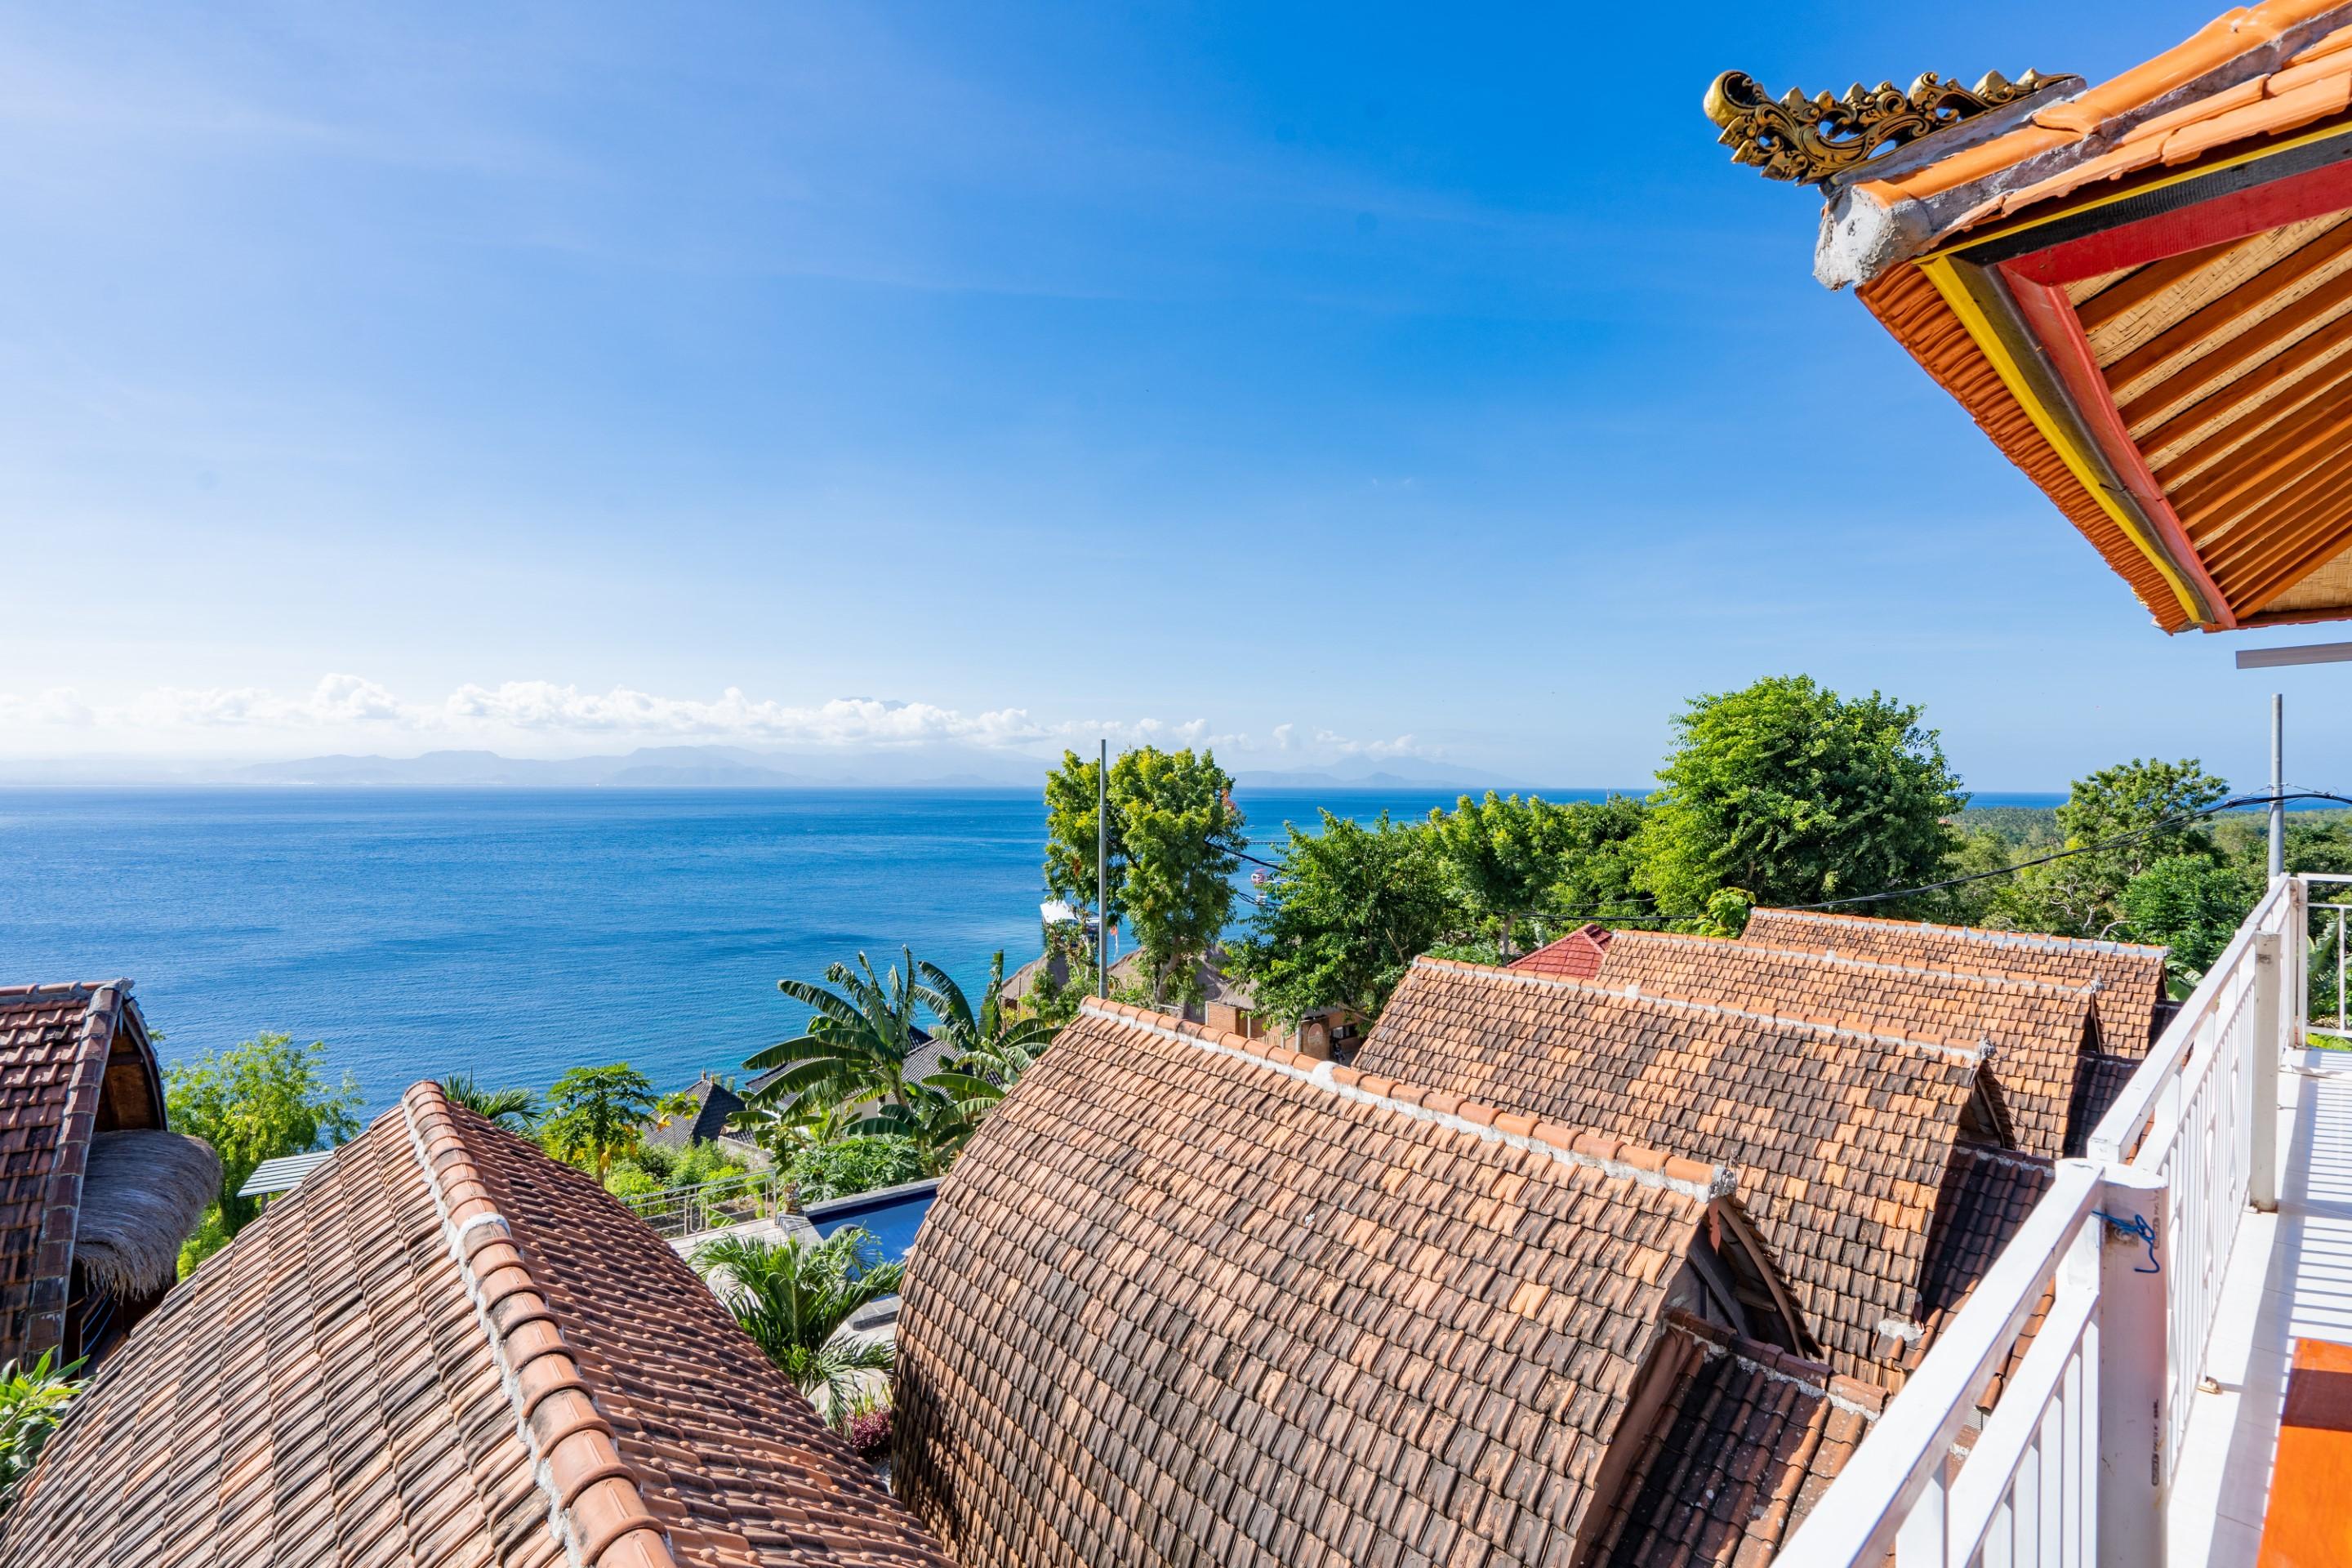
<point>2130,977</point>
<point>2036,1029</point>
<point>444,1347</point>
<point>1189,1298</point>
<point>1841,1136</point>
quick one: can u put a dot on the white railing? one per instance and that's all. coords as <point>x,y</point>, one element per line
<point>2128,1247</point>
<point>675,1212</point>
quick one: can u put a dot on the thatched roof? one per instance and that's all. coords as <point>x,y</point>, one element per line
<point>142,1193</point>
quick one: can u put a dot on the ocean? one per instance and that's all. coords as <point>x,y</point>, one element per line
<point>513,934</point>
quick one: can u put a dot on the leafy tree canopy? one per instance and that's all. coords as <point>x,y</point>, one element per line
<point>1349,909</point>
<point>1502,854</point>
<point>2192,904</point>
<point>1789,794</point>
<point>595,1114</point>
<point>2138,801</point>
<point>1072,799</point>
<point>260,1099</point>
<point>1182,838</point>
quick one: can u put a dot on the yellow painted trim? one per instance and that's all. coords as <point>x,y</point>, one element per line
<point>1941,272</point>
<point>2076,208</point>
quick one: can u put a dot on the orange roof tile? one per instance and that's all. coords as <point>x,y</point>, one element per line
<point>2038,1030</point>
<point>1189,1298</point>
<point>2130,977</point>
<point>444,1347</point>
<point>1840,1135</point>
<point>56,1094</point>
<point>1578,954</point>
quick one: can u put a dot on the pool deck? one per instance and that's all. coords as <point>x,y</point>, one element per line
<point>2290,1278</point>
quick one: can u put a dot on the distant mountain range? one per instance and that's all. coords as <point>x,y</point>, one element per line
<point>702,767</point>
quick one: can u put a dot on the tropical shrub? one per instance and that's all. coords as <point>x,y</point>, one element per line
<point>594,1115</point>
<point>1345,916</point>
<point>851,1165</point>
<point>866,1425</point>
<point>792,1297</point>
<point>514,1108</point>
<point>33,1400</point>
<point>260,1099</point>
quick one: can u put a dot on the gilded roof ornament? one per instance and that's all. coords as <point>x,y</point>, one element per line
<point>1810,139</point>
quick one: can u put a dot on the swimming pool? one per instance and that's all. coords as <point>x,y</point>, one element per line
<point>893,1215</point>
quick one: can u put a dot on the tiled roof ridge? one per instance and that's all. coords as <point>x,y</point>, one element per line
<point>1878,965</point>
<point>594,1503</point>
<point>1974,1050</point>
<point>1983,936</point>
<point>62,990</point>
<point>1813,1377</point>
<point>1564,1143</point>
<point>2015,1159</point>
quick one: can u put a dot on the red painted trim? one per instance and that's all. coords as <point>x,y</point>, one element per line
<point>2191,228</point>
<point>2050,316</point>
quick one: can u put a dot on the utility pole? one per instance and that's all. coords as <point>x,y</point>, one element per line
<point>2278,784</point>
<point>1102,871</point>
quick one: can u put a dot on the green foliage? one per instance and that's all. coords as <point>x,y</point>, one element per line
<point>1349,910</point>
<point>1476,952</point>
<point>1502,855</point>
<point>209,1236</point>
<point>594,1115</point>
<point>33,1400</point>
<point>1054,1003</point>
<point>628,1179</point>
<point>1600,847</point>
<point>1072,813</point>
<point>792,1298</point>
<point>514,1109</point>
<point>1794,794</point>
<point>1182,834</point>
<point>988,1047</point>
<point>2083,895</point>
<point>848,1166</point>
<point>256,1101</point>
<point>2192,904</point>
<point>848,1070</point>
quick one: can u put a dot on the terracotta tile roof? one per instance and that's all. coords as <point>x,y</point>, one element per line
<point>2130,977</point>
<point>714,1102</point>
<point>1986,1196</point>
<point>2036,1029</point>
<point>1189,1298</point>
<point>446,1349</point>
<point>1841,1136</point>
<point>55,1045</point>
<point>1577,955</point>
<point>1747,1441</point>
<point>2255,71</point>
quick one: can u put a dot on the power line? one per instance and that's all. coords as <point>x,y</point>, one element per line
<point>2234,803</point>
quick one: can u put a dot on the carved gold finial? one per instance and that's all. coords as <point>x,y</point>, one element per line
<point>1810,139</point>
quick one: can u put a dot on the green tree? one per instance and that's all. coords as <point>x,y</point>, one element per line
<point>988,1046</point>
<point>1346,914</point>
<point>596,1114</point>
<point>792,1297</point>
<point>1503,855</point>
<point>1182,836</point>
<point>33,1400</point>
<point>1072,813</point>
<point>1789,794</point>
<point>514,1109</point>
<point>260,1099</point>
<point>859,1042</point>
<point>1600,851</point>
<point>2191,904</point>
<point>2141,803</point>
<point>847,1166</point>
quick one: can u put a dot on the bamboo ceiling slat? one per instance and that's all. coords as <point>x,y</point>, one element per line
<point>2157,295</point>
<point>2315,308</point>
<point>2327,587</point>
<point>2316,543</point>
<point>2245,406</point>
<point>2246,305</point>
<point>2278,450</point>
<point>2083,289</point>
<point>2211,460</point>
<point>2283,537</point>
<point>2230,537</point>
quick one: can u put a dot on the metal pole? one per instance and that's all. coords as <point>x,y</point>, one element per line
<point>1102,870</point>
<point>2278,784</point>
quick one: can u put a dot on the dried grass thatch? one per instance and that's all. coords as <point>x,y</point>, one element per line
<point>141,1194</point>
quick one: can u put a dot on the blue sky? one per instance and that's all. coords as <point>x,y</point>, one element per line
<point>1358,379</point>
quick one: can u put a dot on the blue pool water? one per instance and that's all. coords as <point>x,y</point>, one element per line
<point>892,1218</point>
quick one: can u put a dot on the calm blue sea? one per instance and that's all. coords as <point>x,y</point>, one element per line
<point>513,934</point>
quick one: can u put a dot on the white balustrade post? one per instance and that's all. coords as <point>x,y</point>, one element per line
<point>1920,1543</point>
<point>2262,1177</point>
<point>2134,1383</point>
